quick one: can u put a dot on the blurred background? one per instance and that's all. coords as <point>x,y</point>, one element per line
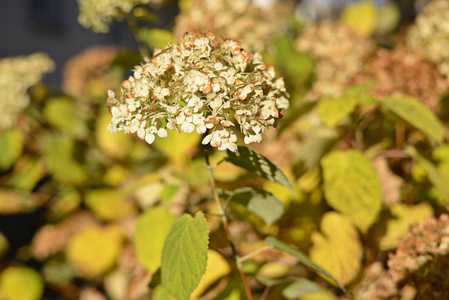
<point>368,123</point>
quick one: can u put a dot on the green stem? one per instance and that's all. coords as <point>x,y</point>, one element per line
<point>224,220</point>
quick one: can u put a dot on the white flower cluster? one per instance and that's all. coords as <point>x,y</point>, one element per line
<point>430,34</point>
<point>255,27</point>
<point>200,85</point>
<point>98,14</point>
<point>17,74</point>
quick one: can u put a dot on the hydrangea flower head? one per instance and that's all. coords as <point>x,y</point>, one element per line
<point>99,14</point>
<point>200,85</point>
<point>17,75</point>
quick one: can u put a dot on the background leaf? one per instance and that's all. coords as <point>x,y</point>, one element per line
<point>255,163</point>
<point>217,267</point>
<point>301,257</point>
<point>11,147</point>
<point>332,111</point>
<point>404,217</point>
<point>352,187</point>
<point>109,204</point>
<point>338,248</point>
<point>184,256</point>
<point>94,250</point>
<point>417,115</point>
<point>260,202</point>
<point>300,287</point>
<point>151,230</point>
<point>21,283</point>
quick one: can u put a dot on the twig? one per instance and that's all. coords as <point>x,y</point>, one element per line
<point>224,220</point>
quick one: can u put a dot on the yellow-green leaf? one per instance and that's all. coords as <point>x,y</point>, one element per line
<point>115,145</point>
<point>11,147</point>
<point>21,283</point>
<point>58,150</point>
<point>303,259</point>
<point>177,146</point>
<point>352,187</point>
<point>332,111</point>
<point>151,230</point>
<point>416,114</point>
<point>109,204</point>
<point>217,267</point>
<point>184,256</point>
<point>404,217</point>
<point>156,37</point>
<point>361,16</point>
<point>64,114</point>
<point>337,248</point>
<point>94,250</point>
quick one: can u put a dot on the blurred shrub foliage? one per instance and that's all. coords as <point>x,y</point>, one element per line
<point>363,150</point>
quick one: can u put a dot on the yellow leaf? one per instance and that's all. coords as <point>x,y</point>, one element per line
<point>217,267</point>
<point>177,146</point>
<point>321,295</point>
<point>405,216</point>
<point>337,249</point>
<point>361,16</point>
<point>332,111</point>
<point>109,204</point>
<point>94,250</point>
<point>115,145</point>
<point>21,283</point>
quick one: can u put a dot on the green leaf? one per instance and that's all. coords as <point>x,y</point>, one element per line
<point>417,115</point>
<point>260,202</point>
<point>64,114</point>
<point>11,147</point>
<point>332,111</point>
<point>27,172</point>
<point>337,248</point>
<point>301,257</point>
<point>361,16</point>
<point>299,287</point>
<point>156,37</point>
<point>435,176</point>
<point>126,59</point>
<point>297,65</point>
<point>21,283</point>
<point>151,230</point>
<point>58,151</point>
<point>258,165</point>
<point>352,186</point>
<point>184,256</point>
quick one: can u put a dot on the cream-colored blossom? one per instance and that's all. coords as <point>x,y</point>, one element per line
<point>430,34</point>
<point>252,25</point>
<point>99,14</point>
<point>17,75</point>
<point>340,52</point>
<point>200,85</point>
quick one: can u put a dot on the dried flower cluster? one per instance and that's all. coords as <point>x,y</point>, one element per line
<point>92,63</point>
<point>253,26</point>
<point>17,74</point>
<point>430,34</point>
<point>417,269</point>
<point>404,72</point>
<point>341,52</point>
<point>99,14</point>
<point>200,85</point>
